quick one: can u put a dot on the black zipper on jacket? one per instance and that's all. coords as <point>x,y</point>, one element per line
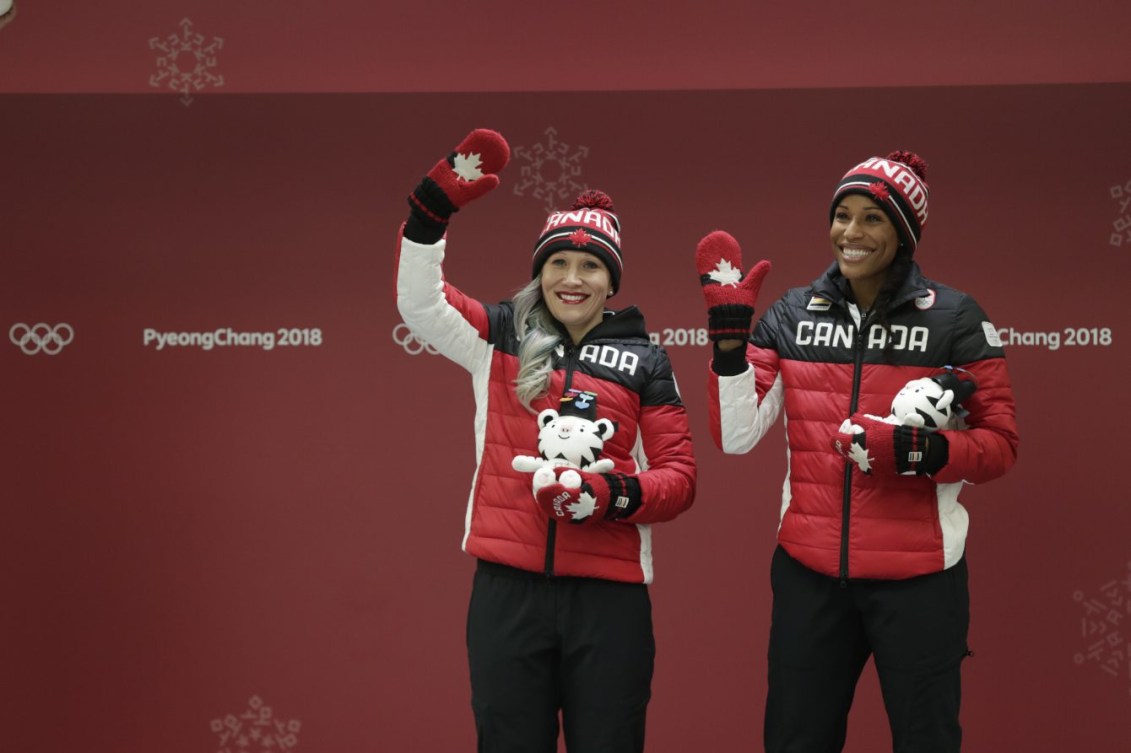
<point>552,529</point>
<point>857,366</point>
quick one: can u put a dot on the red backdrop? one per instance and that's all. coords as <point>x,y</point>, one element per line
<point>207,543</point>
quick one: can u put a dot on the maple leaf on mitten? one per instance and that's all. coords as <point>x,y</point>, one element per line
<point>480,155</point>
<point>467,173</point>
<point>845,442</point>
<point>568,500</point>
<point>877,446</point>
<point>582,498</point>
<point>730,295</point>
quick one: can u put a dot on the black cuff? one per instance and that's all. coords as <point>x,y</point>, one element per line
<point>624,495</point>
<point>729,362</point>
<point>431,199</point>
<point>730,321</point>
<point>919,451</point>
<point>430,209</point>
<point>420,229</point>
<point>937,454</point>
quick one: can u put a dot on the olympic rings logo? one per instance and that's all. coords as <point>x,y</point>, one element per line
<point>41,338</point>
<point>407,339</point>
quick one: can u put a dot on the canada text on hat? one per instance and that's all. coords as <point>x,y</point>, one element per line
<point>896,187</point>
<point>565,226</point>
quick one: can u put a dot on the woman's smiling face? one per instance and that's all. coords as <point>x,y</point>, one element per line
<point>575,286</point>
<point>864,243</point>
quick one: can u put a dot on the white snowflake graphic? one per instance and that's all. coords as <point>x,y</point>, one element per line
<point>551,171</point>
<point>256,729</point>
<point>726,273</point>
<point>1122,223</point>
<point>186,63</point>
<point>1102,630</point>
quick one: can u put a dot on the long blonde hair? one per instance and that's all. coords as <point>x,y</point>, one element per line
<point>537,339</point>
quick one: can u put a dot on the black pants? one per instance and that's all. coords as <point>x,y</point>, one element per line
<point>823,633</point>
<point>539,645</point>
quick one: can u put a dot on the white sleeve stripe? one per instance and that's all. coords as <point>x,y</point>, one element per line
<point>426,311</point>
<point>744,420</point>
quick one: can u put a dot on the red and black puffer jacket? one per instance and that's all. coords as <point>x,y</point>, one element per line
<point>636,390</point>
<point>811,355</point>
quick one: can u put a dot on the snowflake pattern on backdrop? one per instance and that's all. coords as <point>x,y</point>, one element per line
<point>1122,223</point>
<point>256,730</point>
<point>550,171</point>
<point>1102,629</point>
<point>186,63</point>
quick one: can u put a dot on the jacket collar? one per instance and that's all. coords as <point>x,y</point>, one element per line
<point>834,286</point>
<point>626,323</point>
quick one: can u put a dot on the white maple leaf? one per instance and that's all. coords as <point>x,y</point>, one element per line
<point>725,273</point>
<point>467,166</point>
<point>859,455</point>
<point>585,506</point>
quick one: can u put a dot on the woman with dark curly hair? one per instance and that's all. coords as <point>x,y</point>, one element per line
<point>870,559</point>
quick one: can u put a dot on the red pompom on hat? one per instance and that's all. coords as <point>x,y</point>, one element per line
<point>591,225</point>
<point>898,185</point>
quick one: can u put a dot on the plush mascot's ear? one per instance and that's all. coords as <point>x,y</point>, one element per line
<point>945,399</point>
<point>962,387</point>
<point>546,416</point>
<point>605,428</point>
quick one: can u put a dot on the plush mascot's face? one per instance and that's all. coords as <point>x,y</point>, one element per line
<point>923,403</point>
<point>573,439</point>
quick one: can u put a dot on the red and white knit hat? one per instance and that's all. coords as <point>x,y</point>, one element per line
<point>589,225</point>
<point>898,184</point>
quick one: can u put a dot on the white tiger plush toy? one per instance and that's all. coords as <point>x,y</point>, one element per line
<point>570,439</point>
<point>931,403</point>
<point>928,403</point>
